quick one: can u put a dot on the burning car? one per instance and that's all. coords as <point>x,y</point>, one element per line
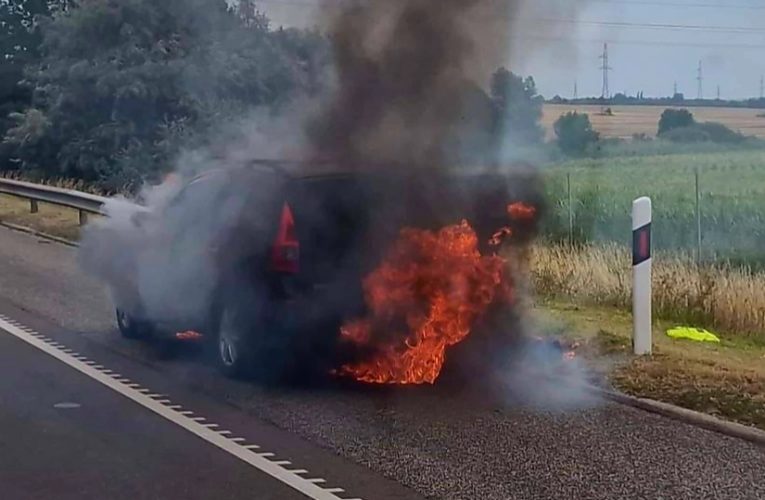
<point>293,267</point>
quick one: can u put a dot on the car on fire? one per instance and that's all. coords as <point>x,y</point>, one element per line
<point>264,260</point>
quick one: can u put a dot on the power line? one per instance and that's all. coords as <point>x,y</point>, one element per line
<point>569,40</point>
<point>680,4</point>
<point>318,3</point>
<point>618,24</point>
<point>657,26</point>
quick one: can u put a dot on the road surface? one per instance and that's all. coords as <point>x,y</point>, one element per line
<point>66,436</point>
<point>430,441</point>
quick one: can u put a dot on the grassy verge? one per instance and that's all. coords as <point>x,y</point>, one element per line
<point>51,219</point>
<point>726,380</point>
<point>727,299</point>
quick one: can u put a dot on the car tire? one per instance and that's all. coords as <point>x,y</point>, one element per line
<point>233,352</point>
<point>130,327</point>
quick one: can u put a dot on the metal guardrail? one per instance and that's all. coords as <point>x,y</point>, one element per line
<point>84,203</point>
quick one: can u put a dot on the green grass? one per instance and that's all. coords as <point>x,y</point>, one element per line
<point>726,380</point>
<point>732,187</point>
<point>50,219</point>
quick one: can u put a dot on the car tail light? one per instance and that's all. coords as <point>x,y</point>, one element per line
<point>285,257</point>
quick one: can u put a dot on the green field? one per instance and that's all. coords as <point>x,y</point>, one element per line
<point>732,190</point>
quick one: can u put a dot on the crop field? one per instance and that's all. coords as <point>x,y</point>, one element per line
<point>732,194</point>
<point>629,120</point>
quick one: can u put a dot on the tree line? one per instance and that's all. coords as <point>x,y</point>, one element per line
<point>110,92</point>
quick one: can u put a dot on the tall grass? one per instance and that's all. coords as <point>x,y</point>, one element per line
<point>726,298</point>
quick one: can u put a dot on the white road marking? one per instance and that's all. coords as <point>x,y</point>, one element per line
<point>259,461</point>
<point>66,405</point>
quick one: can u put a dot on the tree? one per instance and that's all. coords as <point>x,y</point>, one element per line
<point>19,43</point>
<point>575,133</point>
<point>121,86</point>
<point>675,118</point>
<point>517,108</point>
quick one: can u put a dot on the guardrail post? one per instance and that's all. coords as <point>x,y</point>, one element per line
<point>33,208</point>
<point>641,270</point>
<point>83,217</point>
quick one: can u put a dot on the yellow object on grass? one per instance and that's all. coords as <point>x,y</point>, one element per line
<point>695,334</point>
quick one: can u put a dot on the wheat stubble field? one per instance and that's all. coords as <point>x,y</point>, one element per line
<point>629,120</point>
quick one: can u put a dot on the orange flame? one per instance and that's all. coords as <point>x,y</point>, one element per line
<point>188,335</point>
<point>521,211</point>
<point>426,296</point>
<point>498,237</point>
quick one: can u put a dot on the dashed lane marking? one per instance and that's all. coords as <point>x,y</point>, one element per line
<point>162,406</point>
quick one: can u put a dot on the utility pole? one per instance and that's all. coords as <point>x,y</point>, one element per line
<point>606,93</point>
<point>718,92</point>
<point>675,90</point>
<point>576,90</point>
<point>762,87</point>
<point>700,79</point>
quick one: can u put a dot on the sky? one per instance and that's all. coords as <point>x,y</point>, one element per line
<point>651,43</point>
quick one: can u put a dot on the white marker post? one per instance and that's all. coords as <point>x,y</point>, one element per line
<point>641,274</point>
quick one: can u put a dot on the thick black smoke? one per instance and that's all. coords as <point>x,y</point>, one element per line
<point>408,74</point>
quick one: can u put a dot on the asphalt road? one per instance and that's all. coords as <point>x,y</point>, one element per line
<point>436,442</point>
<point>66,436</point>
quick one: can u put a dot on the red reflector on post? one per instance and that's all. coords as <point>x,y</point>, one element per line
<point>285,255</point>
<point>641,244</point>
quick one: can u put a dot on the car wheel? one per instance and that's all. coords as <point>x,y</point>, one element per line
<point>130,327</point>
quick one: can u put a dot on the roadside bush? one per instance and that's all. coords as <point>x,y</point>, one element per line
<point>690,134</point>
<point>720,133</point>
<point>675,118</point>
<point>575,133</point>
<point>705,132</point>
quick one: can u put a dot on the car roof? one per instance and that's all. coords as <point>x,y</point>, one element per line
<point>323,168</point>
